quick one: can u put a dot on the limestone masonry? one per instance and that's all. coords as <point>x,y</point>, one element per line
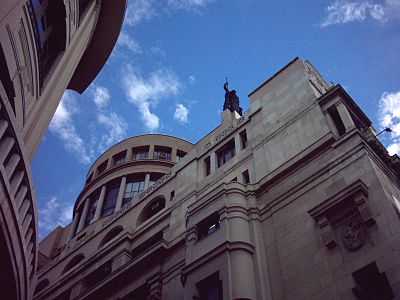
<point>295,199</point>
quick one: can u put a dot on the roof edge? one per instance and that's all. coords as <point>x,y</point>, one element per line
<point>273,76</point>
<point>102,43</point>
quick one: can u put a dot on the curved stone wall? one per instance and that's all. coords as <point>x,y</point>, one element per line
<point>18,216</point>
<point>128,169</point>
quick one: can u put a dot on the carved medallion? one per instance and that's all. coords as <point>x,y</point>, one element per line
<point>354,235</point>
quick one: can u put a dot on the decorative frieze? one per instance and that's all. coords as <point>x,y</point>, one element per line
<point>155,186</point>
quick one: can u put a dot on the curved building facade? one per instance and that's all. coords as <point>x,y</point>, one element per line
<point>123,172</point>
<point>296,199</point>
<point>46,46</point>
<point>118,181</point>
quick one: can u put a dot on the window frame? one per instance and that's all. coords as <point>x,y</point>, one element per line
<point>226,153</point>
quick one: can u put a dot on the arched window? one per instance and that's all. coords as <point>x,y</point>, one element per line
<point>41,285</point>
<point>151,209</point>
<point>111,235</point>
<point>75,261</point>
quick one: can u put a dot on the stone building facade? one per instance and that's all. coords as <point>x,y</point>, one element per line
<point>296,199</point>
<point>46,46</point>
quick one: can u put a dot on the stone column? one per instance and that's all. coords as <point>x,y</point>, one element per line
<point>213,162</point>
<point>345,116</point>
<point>109,163</point>
<point>173,154</point>
<point>129,153</point>
<point>73,226</point>
<point>100,204</point>
<point>121,193</point>
<point>84,215</point>
<point>241,251</point>
<point>146,181</point>
<point>242,275</point>
<point>238,147</point>
<point>151,151</point>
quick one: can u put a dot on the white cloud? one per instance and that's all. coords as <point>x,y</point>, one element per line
<point>139,10</point>
<point>125,40</point>
<point>55,212</point>
<point>63,126</point>
<point>101,96</point>
<point>151,121</point>
<point>111,127</point>
<point>188,4</point>
<point>181,113</point>
<point>192,79</point>
<point>341,12</point>
<point>146,93</point>
<point>114,126</point>
<point>157,50</point>
<point>389,116</point>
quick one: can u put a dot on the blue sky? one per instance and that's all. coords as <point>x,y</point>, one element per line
<point>167,71</point>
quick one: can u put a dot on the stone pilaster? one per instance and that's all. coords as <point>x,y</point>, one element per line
<point>100,203</point>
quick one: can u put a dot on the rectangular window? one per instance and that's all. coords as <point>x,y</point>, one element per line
<point>83,4</point>
<point>162,152</point>
<point>101,168</point>
<point>132,189</point>
<point>246,177</point>
<point>140,152</point>
<point>226,153</point>
<point>119,158</point>
<point>371,284</point>
<point>92,209</point>
<point>154,177</point>
<point>172,196</point>
<point>89,178</point>
<point>210,288</point>
<point>110,200</point>
<point>207,166</point>
<point>179,155</point>
<point>208,226</point>
<point>243,139</point>
<point>6,79</point>
<point>337,120</point>
<point>99,274</point>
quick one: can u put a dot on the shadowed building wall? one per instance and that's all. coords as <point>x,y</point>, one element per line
<point>44,48</point>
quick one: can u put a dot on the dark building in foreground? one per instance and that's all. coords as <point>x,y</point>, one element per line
<point>296,199</point>
<point>46,46</point>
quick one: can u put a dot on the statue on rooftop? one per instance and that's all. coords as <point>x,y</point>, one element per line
<point>231,100</point>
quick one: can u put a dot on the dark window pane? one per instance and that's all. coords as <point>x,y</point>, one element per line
<point>109,201</point>
<point>226,153</point>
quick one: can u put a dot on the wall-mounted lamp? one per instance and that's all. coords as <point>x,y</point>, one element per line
<point>387,129</point>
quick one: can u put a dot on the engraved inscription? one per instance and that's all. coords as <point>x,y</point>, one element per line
<point>224,133</point>
<point>316,80</point>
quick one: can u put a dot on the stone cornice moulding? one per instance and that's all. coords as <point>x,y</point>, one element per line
<point>357,190</point>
